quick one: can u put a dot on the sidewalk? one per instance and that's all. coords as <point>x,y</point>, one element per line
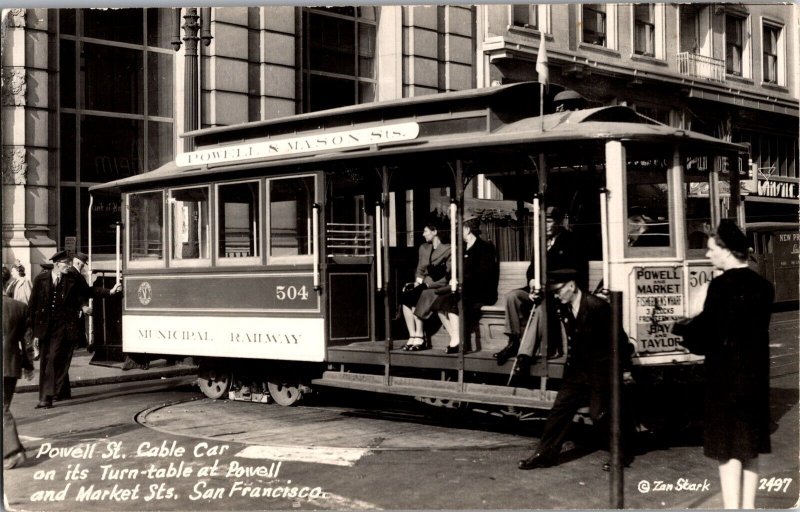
<point>81,373</point>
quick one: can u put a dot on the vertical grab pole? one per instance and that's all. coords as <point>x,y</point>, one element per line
<point>537,264</point>
<point>616,493</point>
<point>383,260</point>
<point>453,246</point>
<point>379,245</point>
<point>315,244</point>
<point>119,252</point>
<point>604,233</point>
<point>90,328</point>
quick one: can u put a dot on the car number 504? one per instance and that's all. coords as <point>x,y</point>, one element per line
<point>291,292</point>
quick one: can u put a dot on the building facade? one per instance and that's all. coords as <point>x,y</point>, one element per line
<point>91,95</point>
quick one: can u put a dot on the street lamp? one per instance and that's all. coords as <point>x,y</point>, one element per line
<point>194,23</point>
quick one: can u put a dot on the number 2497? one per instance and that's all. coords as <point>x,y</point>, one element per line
<point>774,484</point>
<point>291,292</point>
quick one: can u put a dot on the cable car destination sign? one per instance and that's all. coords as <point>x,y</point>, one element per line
<point>346,139</point>
<point>659,302</point>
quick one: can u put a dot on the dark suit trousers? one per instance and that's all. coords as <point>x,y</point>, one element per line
<point>579,389</point>
<point>54,359</point>
<point>11,444</point>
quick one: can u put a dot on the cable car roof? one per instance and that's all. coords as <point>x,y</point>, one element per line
<point>464,120</point>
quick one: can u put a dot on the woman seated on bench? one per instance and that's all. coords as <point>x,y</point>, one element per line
<point>481,272</point>
<point>433,272</point>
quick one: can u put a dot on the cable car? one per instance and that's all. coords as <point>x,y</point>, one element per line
<point>274,253</point>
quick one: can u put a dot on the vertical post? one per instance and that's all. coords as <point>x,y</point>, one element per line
<point>315,244</point>
<point>616,496</point>
<point>383,259</point>
<point>119,252</point>
<point>191,27</point>
<point>604,235</point>
<point>457,239</point>
<point>378,246</point>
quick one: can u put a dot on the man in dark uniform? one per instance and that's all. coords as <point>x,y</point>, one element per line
<point>16,363</point>
<point>562,252</point>
<point>587,324</point>
<point>57,299</point>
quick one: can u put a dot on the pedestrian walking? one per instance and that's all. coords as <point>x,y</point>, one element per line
<point>57,299</point>
<point>732,332</point>
<point>587,323</point>
<point>19,287</point>
<point>16,363</point>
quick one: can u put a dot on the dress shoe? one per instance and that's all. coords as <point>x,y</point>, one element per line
<point>451,350</point>
<point>509,351</point>
<point>44,404</point>
<point>537,460</point>
<point>626,462</point>
<point>14,461</point>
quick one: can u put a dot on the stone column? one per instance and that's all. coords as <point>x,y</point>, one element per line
<point>25,137</point>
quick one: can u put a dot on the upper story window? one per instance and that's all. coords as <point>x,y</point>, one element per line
<point>530,16</point>
<point>644,30</point>
<point>146,227</point>
<point>599,24</point>
<point>339,60</point>
<point>737,37</point>
<point>773,54</point>
<point>594,24</point>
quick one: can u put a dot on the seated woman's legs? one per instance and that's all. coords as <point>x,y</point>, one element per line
<point>451,324</point>
<point>414,326</point>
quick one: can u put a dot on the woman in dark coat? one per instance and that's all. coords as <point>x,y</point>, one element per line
<point>433,272</point>
<point>733,334</point>
<point>478,288</point>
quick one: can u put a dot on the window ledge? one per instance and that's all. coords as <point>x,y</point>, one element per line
<point>774,87</point>
<point>599,49</point>
<point>650,60</point>
<point>739,79</point>
<point>524,29</point>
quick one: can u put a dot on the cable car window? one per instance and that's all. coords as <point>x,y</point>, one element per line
<point>146,226</point>
<point>648,207</point>
<point>698,206</point>
<point>189,224</point>
<point>291,203</point>
<point>238,220</point>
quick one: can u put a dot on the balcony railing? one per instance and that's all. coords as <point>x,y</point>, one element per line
<point>693,64</point>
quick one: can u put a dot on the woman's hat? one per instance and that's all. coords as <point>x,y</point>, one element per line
<point>733,238</point>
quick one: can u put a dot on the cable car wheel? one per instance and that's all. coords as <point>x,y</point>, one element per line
<point>285,391</point>
<point>215,384</point>
<point>440,402</point>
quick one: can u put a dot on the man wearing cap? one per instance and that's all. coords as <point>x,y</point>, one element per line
<point>587,322</point>
<point>732,332</point>
<point>79,262</point>
<point>562,252</point>
<point>57,299</point>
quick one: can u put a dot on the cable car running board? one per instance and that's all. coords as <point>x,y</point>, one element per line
<point>409,386</point>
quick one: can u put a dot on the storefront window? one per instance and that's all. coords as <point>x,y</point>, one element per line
<point>290,208</point>
<point>146,227</point>
<point>115,103</point>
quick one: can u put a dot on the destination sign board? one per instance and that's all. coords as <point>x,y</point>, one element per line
<point>346,139</point>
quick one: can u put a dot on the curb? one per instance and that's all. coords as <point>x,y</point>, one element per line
<point>146,375</point>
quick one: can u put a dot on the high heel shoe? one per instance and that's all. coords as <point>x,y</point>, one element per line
<point>451,350</point>
<point>420,346</point>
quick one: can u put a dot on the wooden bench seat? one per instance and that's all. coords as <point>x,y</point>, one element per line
<point>488,335</point>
